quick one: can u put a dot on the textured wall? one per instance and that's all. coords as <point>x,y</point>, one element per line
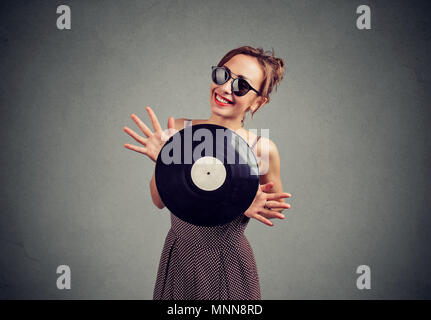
<point>350,120</point>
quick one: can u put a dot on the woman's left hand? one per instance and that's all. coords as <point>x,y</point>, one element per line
<point>264,201</point>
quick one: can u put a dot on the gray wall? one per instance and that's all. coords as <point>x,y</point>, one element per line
<point>350,120</point>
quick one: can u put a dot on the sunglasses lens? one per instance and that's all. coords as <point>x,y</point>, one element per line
<point>220,75</point>
<point>240,87</point>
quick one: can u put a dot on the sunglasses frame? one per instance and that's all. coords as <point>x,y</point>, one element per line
<point>230,73</point>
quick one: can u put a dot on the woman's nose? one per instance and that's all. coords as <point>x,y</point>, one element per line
<point>227,86</point>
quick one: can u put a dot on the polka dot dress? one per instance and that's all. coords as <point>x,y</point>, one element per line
<point>207,263</point>
<point>200,263</point>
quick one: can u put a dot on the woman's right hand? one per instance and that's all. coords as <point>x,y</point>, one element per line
<point>155,140</point>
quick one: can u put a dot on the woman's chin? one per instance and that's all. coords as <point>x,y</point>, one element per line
<point>227,108</point>
<point>220,111</point>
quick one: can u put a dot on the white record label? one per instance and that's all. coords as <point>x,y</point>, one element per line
<point>208,173</point>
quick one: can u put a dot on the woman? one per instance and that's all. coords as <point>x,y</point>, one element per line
<point>218,262</point>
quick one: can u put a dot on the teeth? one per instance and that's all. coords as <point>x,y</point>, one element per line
<point>221,99</point>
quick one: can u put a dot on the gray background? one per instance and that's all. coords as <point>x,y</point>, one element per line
<point>350,120</point>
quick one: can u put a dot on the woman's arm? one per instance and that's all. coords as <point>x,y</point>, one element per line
<point>155,194</point>
<point>269,200</point>
<point>273,173</point>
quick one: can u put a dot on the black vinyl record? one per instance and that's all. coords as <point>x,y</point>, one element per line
<point>207,175</point>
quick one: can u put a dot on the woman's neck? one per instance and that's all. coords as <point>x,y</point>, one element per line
<point>232,124</point>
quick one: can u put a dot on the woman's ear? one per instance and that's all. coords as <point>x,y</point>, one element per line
<point>260,102</point>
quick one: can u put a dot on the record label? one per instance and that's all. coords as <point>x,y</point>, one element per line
<point>208,173</point>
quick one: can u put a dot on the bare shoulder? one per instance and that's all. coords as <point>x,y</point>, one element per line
<point>264,146</point>
<point>267,145</point>
<point>269,163</point>
<point>269,160</point>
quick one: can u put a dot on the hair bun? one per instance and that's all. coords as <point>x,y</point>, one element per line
<point>280,69</point>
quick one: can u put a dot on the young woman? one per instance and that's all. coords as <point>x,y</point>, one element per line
<point>218,262</point>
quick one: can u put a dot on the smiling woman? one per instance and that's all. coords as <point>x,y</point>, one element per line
<point>199,262</point>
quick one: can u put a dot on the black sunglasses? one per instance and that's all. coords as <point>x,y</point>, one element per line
<point>240,86</point>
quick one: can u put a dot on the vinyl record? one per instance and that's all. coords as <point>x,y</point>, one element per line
<point>207,175</point>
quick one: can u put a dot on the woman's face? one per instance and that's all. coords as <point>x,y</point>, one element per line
<point>252,71</point>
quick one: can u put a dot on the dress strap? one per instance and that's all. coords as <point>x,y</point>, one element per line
<point>255,142</point>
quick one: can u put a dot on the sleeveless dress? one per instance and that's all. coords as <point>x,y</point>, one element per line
<point>207,263</point>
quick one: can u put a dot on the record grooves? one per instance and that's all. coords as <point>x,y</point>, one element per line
<point>213,185</point>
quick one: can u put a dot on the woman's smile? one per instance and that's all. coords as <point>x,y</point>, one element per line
<point>221,101</point>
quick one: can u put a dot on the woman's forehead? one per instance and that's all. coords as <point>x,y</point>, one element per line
<point>246,66</point>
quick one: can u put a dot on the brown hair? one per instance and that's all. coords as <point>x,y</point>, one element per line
<point>273,68</point>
